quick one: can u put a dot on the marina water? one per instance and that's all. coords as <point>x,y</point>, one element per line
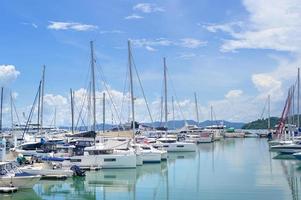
<point>229,169</point>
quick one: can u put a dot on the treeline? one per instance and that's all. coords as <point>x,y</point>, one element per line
<point>261,123</point>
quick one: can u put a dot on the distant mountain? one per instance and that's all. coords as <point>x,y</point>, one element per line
<point>261,123</point>
<point>172,124</point>
<point>180,123</point>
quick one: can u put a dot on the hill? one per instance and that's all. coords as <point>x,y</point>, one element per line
<point>261,123</point>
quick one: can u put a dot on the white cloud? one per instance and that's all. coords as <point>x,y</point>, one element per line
<point>8,74</point>
<point>187,56</point>
<point>55,25</point>
<point>272,24</point>
<point>133,16</point>
<point>234,94</point>
<point>191,43</point>
<point>150,48</point>
<point>30,24</point>
<point>111,31</point>
<point>148,8</point>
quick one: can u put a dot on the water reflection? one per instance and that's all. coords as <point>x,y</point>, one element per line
<point>230,169</point>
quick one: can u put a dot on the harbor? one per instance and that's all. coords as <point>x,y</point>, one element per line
<point>166,100</point>
<point>229,169</point>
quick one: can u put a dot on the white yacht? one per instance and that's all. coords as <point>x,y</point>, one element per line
<point>294,147</point>
<point>196,134</point>
<point>11,175</point>
<point>150,154</point>
<point>172,145</point>
<point>104,156</point>
<point>47,169</point>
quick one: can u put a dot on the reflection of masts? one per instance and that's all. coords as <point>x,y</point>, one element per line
<point>291,180</point>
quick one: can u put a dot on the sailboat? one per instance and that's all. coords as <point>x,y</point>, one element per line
<point>167,143</point>
<point>102,154</point>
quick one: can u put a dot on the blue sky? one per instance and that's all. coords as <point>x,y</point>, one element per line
<point>232,53</point>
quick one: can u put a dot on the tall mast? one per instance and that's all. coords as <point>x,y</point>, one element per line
<point>211,114</point>
<point>196,108</point>
<point>93,86</point>
<point>269,112</point>
<point>298,99</point>
<point>42,98</point>
<point>165,91</point>
<point>173,113</point>
<point>72,110</point>
<point>54,120</point>
<point>11,111</point>
<point>1,108</point>
<point>131,86</point>
<point>39,107</point>
<point>103,112</point>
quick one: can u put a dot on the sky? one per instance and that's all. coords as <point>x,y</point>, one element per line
<point>232,53</point>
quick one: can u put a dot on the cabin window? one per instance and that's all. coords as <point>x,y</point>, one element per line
<point>165,146</point>
<point>109,160</point>
<point>180,145</point>
<point>146,148</point>
<point>75,160</point>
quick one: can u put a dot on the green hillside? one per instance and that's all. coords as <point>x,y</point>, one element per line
<point>261,123</point>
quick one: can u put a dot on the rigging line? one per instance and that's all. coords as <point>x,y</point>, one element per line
<point>80,117</point>
<point>107,89</point>
<point>142,90</point>
<point>81,109</point>
<point>176,97</point>
<point>31,111</point>
<point>264,108</point>
<point>124,94</point>
<point>14,107</point>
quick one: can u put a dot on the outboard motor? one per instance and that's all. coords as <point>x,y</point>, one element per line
<point>77,171</point>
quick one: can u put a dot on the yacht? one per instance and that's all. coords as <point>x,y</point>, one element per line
<point>196,134</point>
<point>11,175</point>
<point>104,156</point>
<point>294,147</point>
<point>47,169</point>
<point>172,145</point>
<point>150,154</point>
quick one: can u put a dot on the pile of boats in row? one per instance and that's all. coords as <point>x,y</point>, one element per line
<point>288,142</point>
<point>62,155</point>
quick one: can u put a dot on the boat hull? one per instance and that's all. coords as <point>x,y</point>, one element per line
<point>19,181</point>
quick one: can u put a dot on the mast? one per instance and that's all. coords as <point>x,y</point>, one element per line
<point>42,98</point>
<point>1,109</point>
<point>173,113</point>
<point>39,106</point>
<point>165,92</point>
<point>211,114</point>
<point>11,112</point>
<point>72,110</point>
<point>93,86</point>
<point>103,112</point>
<point>269,112</point>
<point>196,108</point>
<point>298,99</point>
<point>131,86</point>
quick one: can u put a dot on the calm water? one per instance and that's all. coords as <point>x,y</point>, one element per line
<point>230,169</point>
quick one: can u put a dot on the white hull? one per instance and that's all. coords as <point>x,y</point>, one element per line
<point>19,181</point>
<point>139,160</point>
<point>234,135</point>
<point>48,172</point>
<point>106,161</point>
<point>177,146</point>
<point>151,157</point>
